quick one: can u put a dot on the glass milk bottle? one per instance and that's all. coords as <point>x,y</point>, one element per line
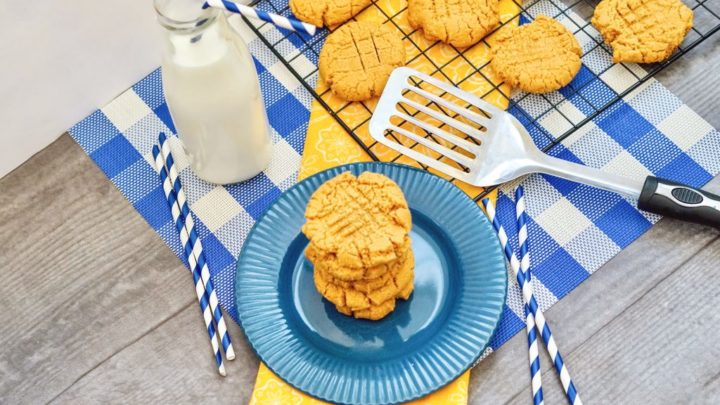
<point>213,94</point>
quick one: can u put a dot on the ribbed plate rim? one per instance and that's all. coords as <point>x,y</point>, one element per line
<point>270,347</point>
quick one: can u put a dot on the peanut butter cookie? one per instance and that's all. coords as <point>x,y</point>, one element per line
<point>539,57</point>
<point>376,312</point>
<point>642,31</point>
<point>363,285</point>
<point>351,298</point>
<point>355,272</point>
<point>460,23</point>
<point>327,13</point>
<point>396,286</point>
<point>364,221</point>
<point>357,59</point>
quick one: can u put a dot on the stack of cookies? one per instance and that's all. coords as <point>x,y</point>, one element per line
<point>360,246</point>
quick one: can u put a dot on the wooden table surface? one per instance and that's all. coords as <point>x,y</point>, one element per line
<point>97,309</point>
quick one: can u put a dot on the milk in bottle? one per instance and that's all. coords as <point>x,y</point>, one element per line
<point>213,94</point>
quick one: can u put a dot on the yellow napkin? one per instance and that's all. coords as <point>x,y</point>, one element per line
<point>328,145</point>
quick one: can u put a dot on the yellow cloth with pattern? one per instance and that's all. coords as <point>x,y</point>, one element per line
<point>328,145</point>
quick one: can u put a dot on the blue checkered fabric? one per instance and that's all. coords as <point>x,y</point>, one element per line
<point>573,228</point>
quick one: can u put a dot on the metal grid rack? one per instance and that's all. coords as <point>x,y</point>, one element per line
<point>575,15</point>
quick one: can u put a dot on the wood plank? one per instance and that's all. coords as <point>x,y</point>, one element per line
<point>662,349</point>
<point>169,365</point>
<point>83,275</point>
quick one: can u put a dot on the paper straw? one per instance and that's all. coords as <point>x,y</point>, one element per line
<point>533,353</point>
<point>541,323</point>
<point>249,12</point>
<point>189,236</point>
<point>199,287</point>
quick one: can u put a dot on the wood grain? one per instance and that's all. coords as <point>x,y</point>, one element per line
<point>96,309</point>
<point>83,275</point>
<point>168,365</point>
<point>662,349</point>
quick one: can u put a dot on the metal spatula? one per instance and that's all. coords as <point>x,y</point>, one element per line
<point>459,134</point>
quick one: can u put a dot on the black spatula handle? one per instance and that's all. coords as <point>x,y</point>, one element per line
<point>679,201</point>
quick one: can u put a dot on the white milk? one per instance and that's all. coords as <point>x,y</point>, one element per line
<point>213,94</point>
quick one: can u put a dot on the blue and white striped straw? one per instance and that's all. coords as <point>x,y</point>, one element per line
<point>190,238</point>
<point>200,291</point>
<point>533,352</point>
<point>249,12</point>
<point>541,323</point>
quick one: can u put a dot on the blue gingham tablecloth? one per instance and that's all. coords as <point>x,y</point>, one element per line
<point>574,229</point>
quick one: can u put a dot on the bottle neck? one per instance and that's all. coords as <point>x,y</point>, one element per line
<point>193,36</point>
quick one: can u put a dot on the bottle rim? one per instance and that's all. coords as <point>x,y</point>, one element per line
<point>171,18</point>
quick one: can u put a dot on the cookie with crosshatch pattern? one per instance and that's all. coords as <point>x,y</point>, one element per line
<point>359,222</point>
<point>357,59</point>
<point>460,23</point>
<point>327,13</point>
<point>642,31</point>
<point>538,57</point>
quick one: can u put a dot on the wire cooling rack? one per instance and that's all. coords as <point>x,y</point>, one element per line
<point>589,92</point>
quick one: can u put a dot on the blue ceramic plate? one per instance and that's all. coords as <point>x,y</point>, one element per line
<point>429,340</point>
